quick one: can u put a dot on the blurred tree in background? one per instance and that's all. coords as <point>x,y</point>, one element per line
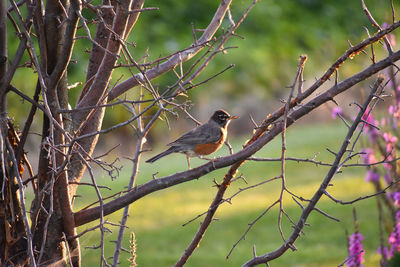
<point>274,35</point>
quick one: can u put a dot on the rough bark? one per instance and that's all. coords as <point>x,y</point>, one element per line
<point>50,221</point>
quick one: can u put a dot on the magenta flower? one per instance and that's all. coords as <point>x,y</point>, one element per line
<point>371,131</point>
<point>392,39</point>
<point>368,156</point>
<point>391,36</point>
<point>396,198</point>
<point>394,111</point>
<point>394,238</point>
<point>336,111</point>
<point>384,251</point>
<point>388,178</point>
<point>390,142</point>
<point>356,253</point>
<point>387,165</point>
<point>367,116</point>
<point>372,176</point>
<point>388,75</point>
<point>398,92</point>
<point>390,148</point>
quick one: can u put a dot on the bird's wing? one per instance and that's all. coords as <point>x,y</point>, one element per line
<point>199,135</point>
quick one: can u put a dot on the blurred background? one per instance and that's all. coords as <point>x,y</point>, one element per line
<point>265,54</point>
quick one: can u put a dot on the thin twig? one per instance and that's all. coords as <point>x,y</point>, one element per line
<point>363,197</point>
<point>316,197</point>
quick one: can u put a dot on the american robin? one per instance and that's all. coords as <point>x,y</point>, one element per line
<point>202,140</point>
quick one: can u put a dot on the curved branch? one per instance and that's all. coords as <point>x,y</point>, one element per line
<point>136,5</point>
<point>101,80</point>
<point>85,216</point>
<point>188,54</point>
<point>218,199</point>
<point>68,43</point>
<point>333,170</point>
<point>177,58</point>
<point>87,121</point>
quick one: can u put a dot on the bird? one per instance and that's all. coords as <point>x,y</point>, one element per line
<point>202,140</point>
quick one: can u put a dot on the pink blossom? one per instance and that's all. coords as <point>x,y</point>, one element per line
<point>392,39</point>
<point>391,36</point>
<point>391,141</point>
<point>367,116</point>
<point>388,74</point>
<point>371,131</point>
<point>368,156</point>
<point>356,253</point>
<point>336,111</point>
<point>387,165</point>
<point>394,238</point>
<point>396,198</point>
<point>398,93</point>
<point>392,109</point>
<point>384,121</point>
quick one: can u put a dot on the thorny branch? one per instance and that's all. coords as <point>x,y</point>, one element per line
<point>297,79</point>
<point>256,142</point>
<point>310,207</point>
<point>195,173</point>
<point>361,198</point>
<point>176,59</point>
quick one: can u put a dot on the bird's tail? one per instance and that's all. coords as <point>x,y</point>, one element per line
<point>162,154</point>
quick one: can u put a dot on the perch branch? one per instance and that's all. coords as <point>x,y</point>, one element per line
<point>138,192</point>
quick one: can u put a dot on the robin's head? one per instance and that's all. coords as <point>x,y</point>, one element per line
<point>222,117</point>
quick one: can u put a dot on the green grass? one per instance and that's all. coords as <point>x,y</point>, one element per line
<point>157,219</point>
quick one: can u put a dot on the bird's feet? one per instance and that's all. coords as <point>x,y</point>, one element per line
<point>212,160</point>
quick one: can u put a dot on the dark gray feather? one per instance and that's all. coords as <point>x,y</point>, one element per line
<point>203,134</point>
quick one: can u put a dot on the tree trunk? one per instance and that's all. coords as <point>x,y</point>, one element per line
<point>49,233</point>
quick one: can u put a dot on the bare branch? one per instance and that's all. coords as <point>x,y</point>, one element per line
<point>22,197</point>
<point>249,228</point>
<point>326,214</point>
<point>376,25</point>
<point>176,59</point>
<point>383,191</point>
<point>310,207</point>
<point>155,185</point>
<point>68,44</point>
<point>300,68</point>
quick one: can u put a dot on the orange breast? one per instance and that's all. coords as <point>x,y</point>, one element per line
<point>206,149</point>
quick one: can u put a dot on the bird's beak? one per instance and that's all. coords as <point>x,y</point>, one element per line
<point>234,117</point>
